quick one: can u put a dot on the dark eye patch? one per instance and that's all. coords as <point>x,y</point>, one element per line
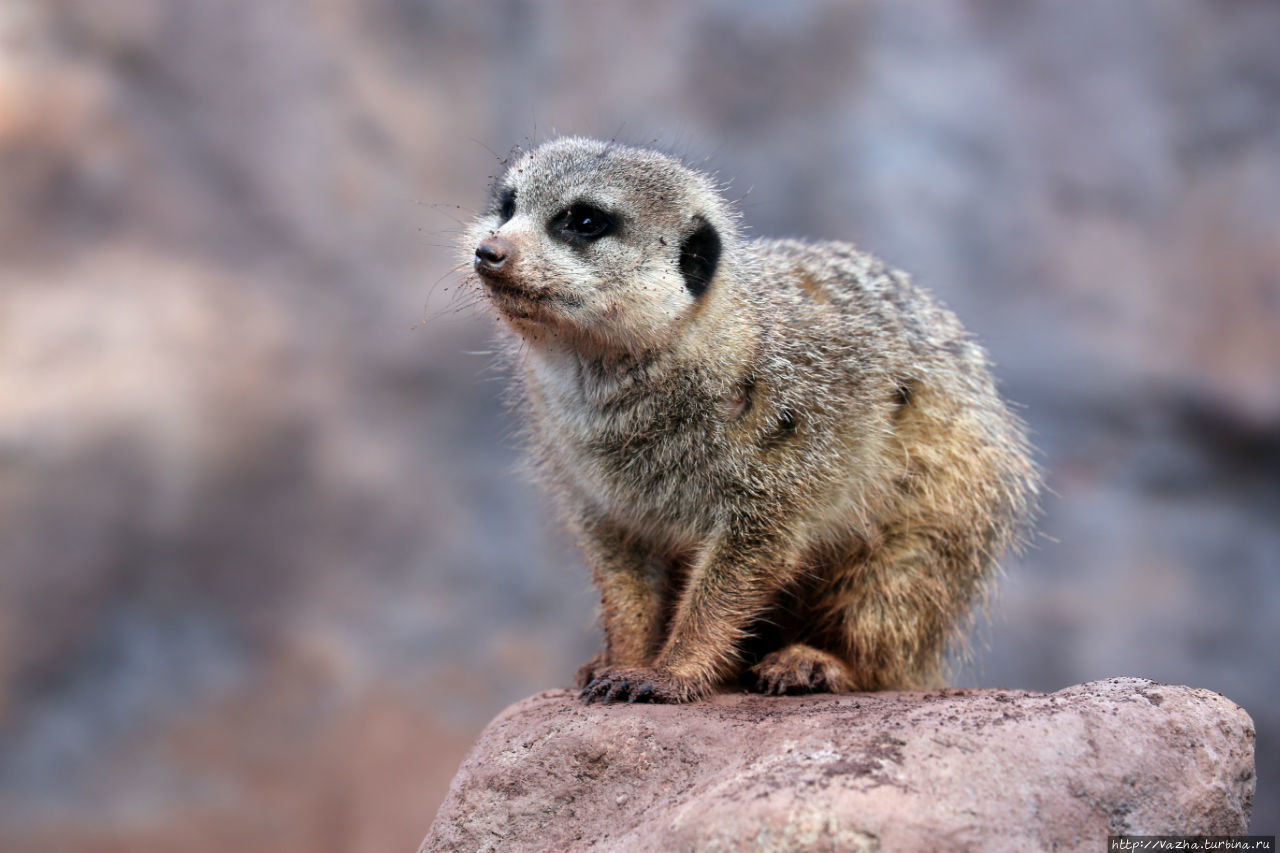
<point>583,223</point>
<point>505,205</point>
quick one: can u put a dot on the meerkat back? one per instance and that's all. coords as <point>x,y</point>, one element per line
<point>787,467</point>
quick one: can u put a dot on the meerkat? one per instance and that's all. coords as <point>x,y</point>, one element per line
<point>785,463</point>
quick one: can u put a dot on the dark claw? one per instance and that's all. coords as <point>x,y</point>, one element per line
<point>620,687</point>
<point>643,692</point>
<point>585,693</point>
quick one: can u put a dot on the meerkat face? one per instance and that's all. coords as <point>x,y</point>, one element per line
<point>601,243</point>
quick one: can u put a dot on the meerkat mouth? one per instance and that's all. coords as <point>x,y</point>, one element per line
<point>520,304</point>
<point>519,301</point>
<point>517,293</point>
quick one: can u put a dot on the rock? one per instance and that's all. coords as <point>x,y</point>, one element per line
<point>959,768</point>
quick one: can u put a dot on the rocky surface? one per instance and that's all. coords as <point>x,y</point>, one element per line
<point>973,769</point>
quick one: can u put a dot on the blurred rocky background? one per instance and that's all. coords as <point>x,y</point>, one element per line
<point>265,568</point>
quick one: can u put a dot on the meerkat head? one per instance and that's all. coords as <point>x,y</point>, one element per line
<point>602,244</point>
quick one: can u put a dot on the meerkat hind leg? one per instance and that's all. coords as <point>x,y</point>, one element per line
<point>800,668</point>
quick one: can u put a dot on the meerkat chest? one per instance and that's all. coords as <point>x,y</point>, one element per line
<point>650,457</point>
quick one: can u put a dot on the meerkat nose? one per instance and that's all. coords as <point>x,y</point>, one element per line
<point>492,254</point>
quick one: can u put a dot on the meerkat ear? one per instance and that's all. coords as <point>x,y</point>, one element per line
<point>699,256</point>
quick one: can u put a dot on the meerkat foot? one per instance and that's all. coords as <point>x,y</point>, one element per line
<point>638,685</point>
<point>798,668</point>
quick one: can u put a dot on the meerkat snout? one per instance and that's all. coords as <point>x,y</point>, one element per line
<point>492,254</point>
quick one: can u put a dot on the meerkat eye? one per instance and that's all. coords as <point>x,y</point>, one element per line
<point>584,222</point>
<point>506,205</point>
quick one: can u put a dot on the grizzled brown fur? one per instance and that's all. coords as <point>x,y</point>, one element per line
<point>785,462</point>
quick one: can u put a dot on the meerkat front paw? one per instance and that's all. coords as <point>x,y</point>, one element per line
<point>798,668</point>
<point>638,685</point>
